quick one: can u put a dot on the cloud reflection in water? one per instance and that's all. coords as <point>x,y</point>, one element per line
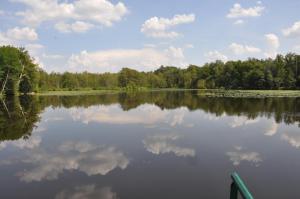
<point>161,144</point>
<point>239,155</point>
<point>87,192</point>
<point>144,114</point>
<point>293,138</point>
<point>81,156</point>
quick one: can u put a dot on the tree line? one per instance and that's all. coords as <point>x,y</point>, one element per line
<point>18,73</point>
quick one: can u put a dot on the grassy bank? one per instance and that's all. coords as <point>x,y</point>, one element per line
<point>204,92</point>
<point>250,93</point>
<point>77,92</point>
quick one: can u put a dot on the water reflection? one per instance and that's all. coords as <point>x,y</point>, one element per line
<point>29,143</point>
<point>242,121</point>
<point>82,156</point>
<point>113,114</point>
<point>239,155</point>
<point>87,192</point>
<point>147,115</point>
<point>156,142</point>
<point>272,129</point>
<point>293,138</point>
<point>282,109</point>
<point>164,143</point>
<point>18,117</point>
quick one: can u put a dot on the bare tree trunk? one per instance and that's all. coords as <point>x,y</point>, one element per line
<point>4,84</point>
<point>23,114</point>
<point>23,66</point>
<point>4,105</point>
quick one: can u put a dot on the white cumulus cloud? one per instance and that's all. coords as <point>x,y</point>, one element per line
<point>78,26</point>
<point>273,45</point>
<point>237,11</point>
<point>189,46</point>
<point>215,55</point>
<point>102,12</point>
<point>35,51</point>
<point>240,49</point>
<point>293,31</point>
<point>52,56</point>
<point>160,27</point>
<point>239,22</point>
<point>144,59</point>
<point>18,35</point>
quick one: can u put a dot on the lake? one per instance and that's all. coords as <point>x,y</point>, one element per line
<point>174,144</point>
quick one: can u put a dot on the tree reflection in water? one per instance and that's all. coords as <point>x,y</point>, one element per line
<point>18,115</point>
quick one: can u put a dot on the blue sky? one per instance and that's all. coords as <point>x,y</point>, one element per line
<point>106,35</point>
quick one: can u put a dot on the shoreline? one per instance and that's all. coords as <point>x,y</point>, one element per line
<point>201,92</point>
<point>74,93</point>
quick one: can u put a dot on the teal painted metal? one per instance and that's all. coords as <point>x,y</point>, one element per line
<point>238,186</point>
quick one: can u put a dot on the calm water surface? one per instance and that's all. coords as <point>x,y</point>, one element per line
<point>148,145</point>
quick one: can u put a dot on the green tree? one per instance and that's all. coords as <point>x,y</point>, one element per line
<point>68,80</point>
<point>25,85</point>
<point>15,63</point>
<point>10,69</point>
<point>129,77</point>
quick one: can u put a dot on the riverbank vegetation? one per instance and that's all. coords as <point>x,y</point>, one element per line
<point>19,74</point>
<point>200,92</point>
<point>280,73</point>
<point>248,93</point>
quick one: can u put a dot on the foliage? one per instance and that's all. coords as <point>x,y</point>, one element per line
<point>15,64</point>
<point>266,74</point>
<point>280,73</point>
<point>25,85</point>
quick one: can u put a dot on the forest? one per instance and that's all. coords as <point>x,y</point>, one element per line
<point>19,74</point>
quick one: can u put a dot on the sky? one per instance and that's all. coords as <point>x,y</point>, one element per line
<point>107,35</point>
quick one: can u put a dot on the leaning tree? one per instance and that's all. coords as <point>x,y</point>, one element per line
<point>17,68</point>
